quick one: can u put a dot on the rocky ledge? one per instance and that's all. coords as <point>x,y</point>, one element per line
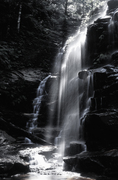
<point>10,161</point>
<point>102,164</point>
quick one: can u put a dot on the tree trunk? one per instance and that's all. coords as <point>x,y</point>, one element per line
<point>13,130</point>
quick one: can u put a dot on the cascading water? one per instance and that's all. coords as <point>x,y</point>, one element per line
<point>37,104</point>
<point>69,105</point>
<point>85,91</point>
<point>69,87</point>
<point>68,100</point>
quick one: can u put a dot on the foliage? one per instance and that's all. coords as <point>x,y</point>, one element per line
<point>43,26</point>
<point>82,7</point>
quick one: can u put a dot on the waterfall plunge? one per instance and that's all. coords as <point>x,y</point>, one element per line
<point>69,86</point>
<point>68,108</point>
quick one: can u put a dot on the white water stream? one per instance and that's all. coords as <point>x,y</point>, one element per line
<point>68,106</point>
<point>69,95</point>
<point>37,104</point>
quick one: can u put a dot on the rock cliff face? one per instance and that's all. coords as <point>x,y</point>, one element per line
<point>102,117</point>
<point>100,124</point>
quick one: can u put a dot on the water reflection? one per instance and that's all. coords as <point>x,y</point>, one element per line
<point>34,176</point>
<point>38,177</point>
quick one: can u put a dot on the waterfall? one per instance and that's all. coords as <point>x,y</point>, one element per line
<point>69,95</point>
<point>37,104</point>
<point>69,86</point>
<point>71,58</point>
<point>69,102</point>
<point>85,91</point>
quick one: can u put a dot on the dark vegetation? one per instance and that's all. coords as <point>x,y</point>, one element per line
<point>43,26</point>
<point>31,34</point>
<point>32,44</point>
<point>32,31</point>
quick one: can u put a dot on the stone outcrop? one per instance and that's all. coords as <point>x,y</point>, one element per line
<point>10,161</point>
<point>12,165</point>
<point>98,42</point>
<point>112,5</point>
<point>49,103</point>
<point>99,125</point>
<point>104,164</point>
<point>101,130</point>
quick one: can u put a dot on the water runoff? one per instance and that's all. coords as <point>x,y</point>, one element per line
<point>74,53</point>
<point>71,57</point>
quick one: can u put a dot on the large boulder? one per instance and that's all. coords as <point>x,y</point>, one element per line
<point>10,161</point>
<point>103,164</point>
<point>112,5</point>
<point>100,130</point>
<point>11,165</point>
<point>97,41</point>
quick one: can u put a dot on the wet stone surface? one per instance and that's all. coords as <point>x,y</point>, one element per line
<point>33,176</point>
<point>36,162</point>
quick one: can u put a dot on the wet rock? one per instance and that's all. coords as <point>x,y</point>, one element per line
<point>100,126</point>
<point>49,104</point>
<point>103,20</point>
<point>83,74</point>
<point>114,58</point>
<point>5,138</point>
<point>112,5</point>
<point>74,148</point>
<point>11,165</point>
<point>19,168</point>
<point>99,80</point>
<point>85,91</point>
<point>97,42</point>
<point>100,130</point>
<point>100,163</point>
<point>98,103</point>
<point>105,85</point>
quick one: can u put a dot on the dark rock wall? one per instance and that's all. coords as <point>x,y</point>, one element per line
<point>97,42</point>
<point>102,37</point>
<point>99,126</point>
<point>102,123</point>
